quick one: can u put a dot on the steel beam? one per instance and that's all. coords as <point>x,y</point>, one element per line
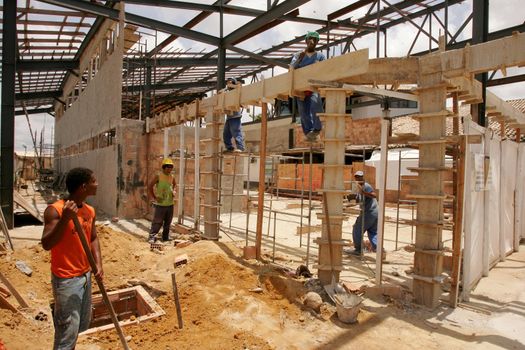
<point>348,9</point>
<point>136,88</point>
<point>45,65</point>
<point>7,121</point>
<point>480,31</point>
<point>258,58</point>
<point>24,96</point>
<point>263,19</point>
<point>190,24</point>
<point>253,60</point>
<point>506,80</point>
<point>35,111</point>
<point>113,14</point>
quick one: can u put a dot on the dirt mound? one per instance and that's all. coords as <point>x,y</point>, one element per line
<point>226,302</point>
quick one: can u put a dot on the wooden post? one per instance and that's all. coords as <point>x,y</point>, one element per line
<point>13,291</point>
<point>196,177</point>
<point>458,224</point>
<point>518,135</point>
<point>262,166</point>
<point>177,301</point>
<point>330,244</point>
<point>383,169</point>
<point>214,119</point>
<point>427,265</point>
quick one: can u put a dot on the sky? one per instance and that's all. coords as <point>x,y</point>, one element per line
<point>503,13</point>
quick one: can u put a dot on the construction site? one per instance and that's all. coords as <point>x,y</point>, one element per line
<point>267,247</point>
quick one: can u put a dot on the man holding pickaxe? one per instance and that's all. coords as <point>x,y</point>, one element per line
<point>70,268</point>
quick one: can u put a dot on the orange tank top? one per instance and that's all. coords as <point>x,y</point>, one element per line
<point>68,258</point>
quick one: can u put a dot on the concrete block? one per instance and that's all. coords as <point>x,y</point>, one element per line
<point>181,260</point>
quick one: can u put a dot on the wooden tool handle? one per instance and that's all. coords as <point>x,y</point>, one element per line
<point>177,302</point>
<point>93,264</point>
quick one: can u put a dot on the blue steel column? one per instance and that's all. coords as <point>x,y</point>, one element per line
<point>221,57</point>
<point>480,31</point>
<point>7,136</point>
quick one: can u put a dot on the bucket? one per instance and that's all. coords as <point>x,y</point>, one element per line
<point>348,307</point>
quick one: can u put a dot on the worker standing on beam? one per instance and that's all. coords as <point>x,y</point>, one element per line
<point>162,191</point>
<point>311,104</point>
<point>232,127</point>
<point>70,269</point>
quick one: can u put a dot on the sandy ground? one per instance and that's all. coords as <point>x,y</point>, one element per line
<point>220,311</point>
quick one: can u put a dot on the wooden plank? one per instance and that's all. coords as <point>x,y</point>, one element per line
<point>457,232</point>
<point>5,230</point>
<point>21,201</point>
<point>388,71</point>
<point>13,291</point>
<point>492,55</point>
<point>383,168</point>
<point>5,304</point>
<point>505,108</point>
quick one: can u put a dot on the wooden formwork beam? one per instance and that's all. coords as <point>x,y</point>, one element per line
<point>214,120</point>
<point>330,254</point>
<point>295,81</point>
<point>432,98</point>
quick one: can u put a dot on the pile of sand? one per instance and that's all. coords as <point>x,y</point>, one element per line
<point>220,294</point>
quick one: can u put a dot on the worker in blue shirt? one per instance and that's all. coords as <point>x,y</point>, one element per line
<point>232,127</point>
<point>311,104</point>
<point>367,219</point>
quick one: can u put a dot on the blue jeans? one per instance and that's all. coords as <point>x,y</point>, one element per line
<point>72,311</point>
<point>232,129</point>
<point>308,109</point>
<point>370,227</point>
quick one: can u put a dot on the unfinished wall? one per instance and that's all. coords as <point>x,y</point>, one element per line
<point>91,111</point>
<point>133,169</point>
<point>103,163</point>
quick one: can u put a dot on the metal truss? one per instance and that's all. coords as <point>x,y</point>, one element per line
<point>51,42</point>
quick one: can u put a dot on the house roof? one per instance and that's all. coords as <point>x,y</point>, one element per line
<point>406,124</point>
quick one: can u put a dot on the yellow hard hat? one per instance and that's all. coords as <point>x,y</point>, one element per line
<point>167,161</point>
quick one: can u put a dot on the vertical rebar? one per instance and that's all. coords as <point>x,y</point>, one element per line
<point>309,208</point>
<point>302,203</point>
<point>398,195</point>
<point>270,187</point>
<point>233,187</point>
<point>248,201</point>
<point>274,233</point>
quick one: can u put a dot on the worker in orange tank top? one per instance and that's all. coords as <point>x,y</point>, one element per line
<point>70,269</point>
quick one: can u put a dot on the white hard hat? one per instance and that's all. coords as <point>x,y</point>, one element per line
<point>359,173</point>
